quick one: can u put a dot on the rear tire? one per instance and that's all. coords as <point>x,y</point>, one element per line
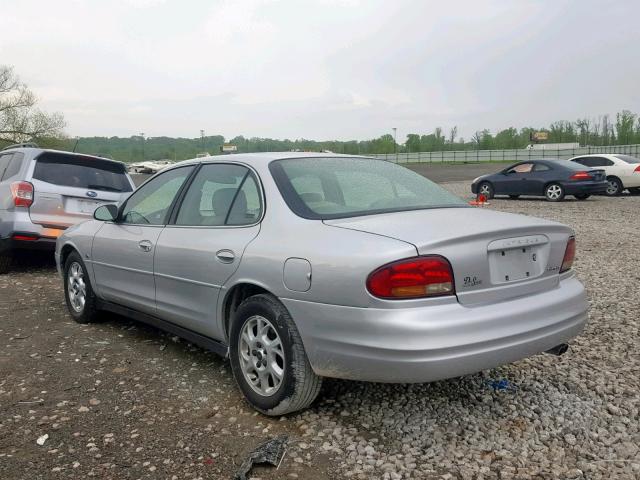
<point>582,196</point>
<point>78,293</point>
<point>486,189</point>
<point>554,192</point>
<point>6,262</point>
<point>268,359</point>
<point>615,186</point>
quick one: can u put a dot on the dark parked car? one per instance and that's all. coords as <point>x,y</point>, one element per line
<point>553,179</point>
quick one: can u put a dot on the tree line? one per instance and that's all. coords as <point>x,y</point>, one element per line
<point>21,120</point>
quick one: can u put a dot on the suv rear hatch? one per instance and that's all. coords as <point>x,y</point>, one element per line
<point>69,187</point>
<point>495,256</point>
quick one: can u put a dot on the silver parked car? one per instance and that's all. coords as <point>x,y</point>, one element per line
<point>43,192</point>
<point>302,266</point>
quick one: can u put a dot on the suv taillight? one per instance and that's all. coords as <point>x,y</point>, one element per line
<point>22,193</point>
<point>428,276</point>
<point>581,176</point>
<point>569,255</point>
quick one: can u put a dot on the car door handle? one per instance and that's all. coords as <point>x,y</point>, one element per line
<point>145,245</point>
<point>225,256</point>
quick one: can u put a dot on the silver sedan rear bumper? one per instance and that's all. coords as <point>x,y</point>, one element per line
<point>414,345</point>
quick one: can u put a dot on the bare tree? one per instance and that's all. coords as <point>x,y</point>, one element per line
<point>453,133</point>
<point>20,119</point>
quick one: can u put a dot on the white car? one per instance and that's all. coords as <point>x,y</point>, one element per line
<point>623,171</point>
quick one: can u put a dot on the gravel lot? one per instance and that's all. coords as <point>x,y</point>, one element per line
<point>121,400</point>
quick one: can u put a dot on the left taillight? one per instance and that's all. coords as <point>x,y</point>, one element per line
<point>637,169</point>
<point>581,176</point>
<point>22,193</point>
<point>419,277</point>
<point>569,255</point>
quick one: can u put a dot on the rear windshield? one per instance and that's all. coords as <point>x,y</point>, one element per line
<point>628,158</point>
<point>332,187</point>
<point>81,172</point>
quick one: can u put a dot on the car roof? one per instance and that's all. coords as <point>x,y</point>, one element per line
<point>38,151</point>
<point>263,158</point>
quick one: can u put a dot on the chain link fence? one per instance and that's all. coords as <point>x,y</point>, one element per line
<point>477,156</point>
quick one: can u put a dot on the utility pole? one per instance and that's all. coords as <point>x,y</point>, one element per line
<point>142,135</point>
<point>395,143</point>
<point>202,140</point>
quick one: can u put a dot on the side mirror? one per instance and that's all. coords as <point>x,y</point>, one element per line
<point>106,213</point>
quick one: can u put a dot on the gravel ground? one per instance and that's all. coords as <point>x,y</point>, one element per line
<point>121,400</point>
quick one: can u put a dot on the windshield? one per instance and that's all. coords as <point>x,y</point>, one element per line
<point>628,158</point>
<point>81,172</point>
<point>333,187</point>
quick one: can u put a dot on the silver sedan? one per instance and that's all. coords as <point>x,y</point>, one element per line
<point>302,266</point>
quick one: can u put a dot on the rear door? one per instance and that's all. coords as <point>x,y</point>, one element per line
<point>68,188</point>
<point>123,251</point>
<point>202,247</point>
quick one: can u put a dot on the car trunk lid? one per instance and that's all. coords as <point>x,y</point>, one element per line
<point>495,256</point>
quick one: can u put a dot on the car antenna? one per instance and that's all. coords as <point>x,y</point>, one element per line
<point>76,144</point>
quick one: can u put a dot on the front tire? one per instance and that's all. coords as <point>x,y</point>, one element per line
<point>486,189</point>
<point>78,293</point>
<point>582,196</point>
<point>554,192</point>
<point>634,191</point>
<point>614,187</point>
<point>268,359</point>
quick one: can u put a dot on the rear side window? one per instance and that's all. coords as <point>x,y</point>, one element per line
<point>221,194</point>
<point>541,167</point>
<point>4,163</point>
<point>13,168</point>
<point>78,171</point>
<point>628,158</point>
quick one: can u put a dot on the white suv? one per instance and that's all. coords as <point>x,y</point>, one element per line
<point>623,171</point>
<point>43,192</point>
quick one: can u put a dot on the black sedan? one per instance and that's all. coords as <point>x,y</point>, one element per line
<point>553,179</point>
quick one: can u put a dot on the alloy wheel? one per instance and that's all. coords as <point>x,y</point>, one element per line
<point>485,189</point>
<point>76,287</point>
<point>612,187</point>
<point>261,355</point>
<point>554,192</point>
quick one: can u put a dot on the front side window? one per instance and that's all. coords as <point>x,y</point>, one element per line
<point>78,171</point>
<point>150,204</point>
<point>598,162</point>
<point>522,168</point>
<point>221,194</point>
<point>332,187</point>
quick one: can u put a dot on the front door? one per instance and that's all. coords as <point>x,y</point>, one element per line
<point>202,246</point>
<point>123,251</point>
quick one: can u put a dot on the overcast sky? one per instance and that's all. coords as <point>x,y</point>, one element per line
<point>322,69</point>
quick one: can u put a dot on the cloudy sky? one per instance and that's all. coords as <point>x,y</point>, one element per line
<point>322,69</point>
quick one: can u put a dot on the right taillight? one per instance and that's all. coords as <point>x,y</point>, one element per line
<point>637,169</point>
<point>22,193</point>
<point>569,255</point>
<point>581,176</point>
<point>427,276</point>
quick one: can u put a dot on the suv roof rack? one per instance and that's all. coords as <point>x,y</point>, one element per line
<point>21,145</point>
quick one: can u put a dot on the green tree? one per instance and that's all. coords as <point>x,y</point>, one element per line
<point>20,119</point>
